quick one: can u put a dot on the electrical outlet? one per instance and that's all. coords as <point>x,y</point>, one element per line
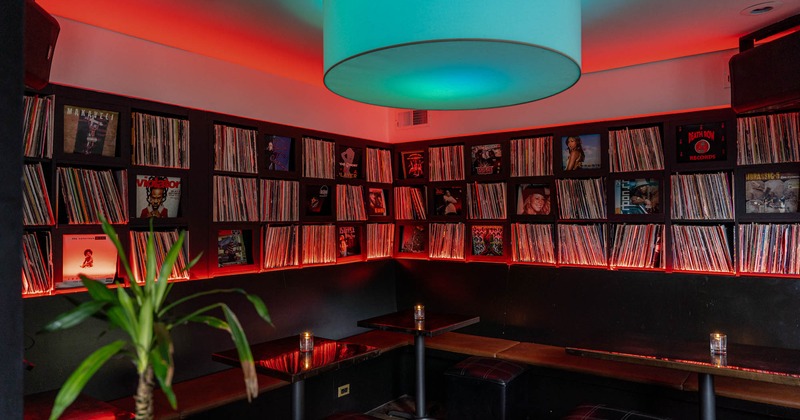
<point>344,390</point>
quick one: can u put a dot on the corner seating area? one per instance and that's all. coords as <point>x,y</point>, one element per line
<point>224,387</point>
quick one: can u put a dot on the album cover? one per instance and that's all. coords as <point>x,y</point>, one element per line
<point>413,238</point>
<point>701,142</point>
<point>487,241</point>
<point>771,192</point>
<point>413,164</point>
<point>279,153</point>
<point>533,199</point>
<point>231,248</point>
<point>376,202</point>
<point>90,131</point>
<point>348,162</point>
<point>581,152</point>
<point>637,196</point>
<point>448,201</point>
<point>92,255</point>
<point>318,200</point>
<point>487,159</point>
<point>349,241</point>
<point>157,196</point>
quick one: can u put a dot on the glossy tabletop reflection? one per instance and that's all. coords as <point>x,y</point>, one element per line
<point>282,358</point>
<point>434,323</point>
<point>768,364</point>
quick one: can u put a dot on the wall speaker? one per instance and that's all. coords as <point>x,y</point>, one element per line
<point>41,32</point>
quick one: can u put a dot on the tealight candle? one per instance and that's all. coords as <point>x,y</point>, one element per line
<point>306,341</point>
<point>419,312</point>
<point>718,343</point>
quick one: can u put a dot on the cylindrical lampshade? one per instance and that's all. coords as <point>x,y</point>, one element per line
<point>451,54</point>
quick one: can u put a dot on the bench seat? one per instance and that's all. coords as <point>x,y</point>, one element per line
<point>202,393</point>
<point>473,345</point>
<point>556,358</point>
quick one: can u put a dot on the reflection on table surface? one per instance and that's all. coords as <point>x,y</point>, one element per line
<point>282,358</point>
<point>434,323</point>
<point>769,364</point>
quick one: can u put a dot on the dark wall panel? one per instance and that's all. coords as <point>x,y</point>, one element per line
<point>573,306</point>
<point>470,289</point>
<point>328,300</point>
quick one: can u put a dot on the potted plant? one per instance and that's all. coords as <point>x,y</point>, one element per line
<point>147,317</point>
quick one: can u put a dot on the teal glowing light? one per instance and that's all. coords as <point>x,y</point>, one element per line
<point>451,55</point>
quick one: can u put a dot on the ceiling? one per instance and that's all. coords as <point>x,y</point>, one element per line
<point>284,37</point>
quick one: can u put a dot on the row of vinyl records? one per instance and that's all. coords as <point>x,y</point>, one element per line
<point>164,141</point>
<point>94,255</point>
<point>764,248</point>
<point>768,139</point>
<point>90,193</point>
<point>635,246</point>
<point>235,151</point>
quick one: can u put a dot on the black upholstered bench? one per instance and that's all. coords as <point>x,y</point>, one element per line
<point>484,388</point>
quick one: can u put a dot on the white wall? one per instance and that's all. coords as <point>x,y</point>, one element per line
<point>97,59</point>
<point>690,83</point>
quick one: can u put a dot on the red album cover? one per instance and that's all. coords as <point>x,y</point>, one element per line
<point>94,256</point>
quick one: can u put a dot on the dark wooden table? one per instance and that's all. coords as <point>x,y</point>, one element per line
<point>767,364</point>
<point>433,325</point>
<point>282,359</point>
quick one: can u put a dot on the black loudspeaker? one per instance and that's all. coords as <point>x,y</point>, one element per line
<point>41,32</point>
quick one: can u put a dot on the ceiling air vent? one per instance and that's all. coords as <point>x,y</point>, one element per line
<point>412,118</point>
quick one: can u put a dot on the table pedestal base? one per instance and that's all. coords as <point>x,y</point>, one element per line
<point>419,397</point>
<point>708,407</point>
<point>298,400</point>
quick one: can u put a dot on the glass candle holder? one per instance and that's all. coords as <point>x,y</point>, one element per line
<point>718,343</point>
<point>306,341</point>
<point>419,312</point>
<point>307,360</point>
<point>719,360</point>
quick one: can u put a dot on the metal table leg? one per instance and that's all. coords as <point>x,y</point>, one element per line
<point>298,400</point>
<point>419,350</point>
<point>708,407</point>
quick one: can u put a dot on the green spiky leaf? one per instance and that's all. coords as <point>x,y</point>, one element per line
<point>75,383</point>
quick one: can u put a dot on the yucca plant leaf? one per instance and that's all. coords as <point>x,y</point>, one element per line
<point>245,356</point>
<point>78,379</point>
<point>112,234</point>
<point>127,306</point>
<point>150,260</point>
<point>166,269</point>
<point>97,290</point>
<point>162,362</point>
<point>75,315</point>
<point>145,328</point>
<point>260,307</point>
<point>211,321</point>
<point>193,296</point>
<point>118,318</point>
<point>197,313</point>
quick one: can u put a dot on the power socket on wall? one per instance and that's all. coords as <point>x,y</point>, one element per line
<point>344,390</point>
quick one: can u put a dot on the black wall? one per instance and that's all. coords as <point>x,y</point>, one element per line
<point>11,87</point>
<point>328,300</point>
<point>571,306</point>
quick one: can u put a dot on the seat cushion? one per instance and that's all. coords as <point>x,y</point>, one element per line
<point>488,369</point>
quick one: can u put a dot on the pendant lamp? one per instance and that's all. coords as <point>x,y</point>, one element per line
<point>451,54</point>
